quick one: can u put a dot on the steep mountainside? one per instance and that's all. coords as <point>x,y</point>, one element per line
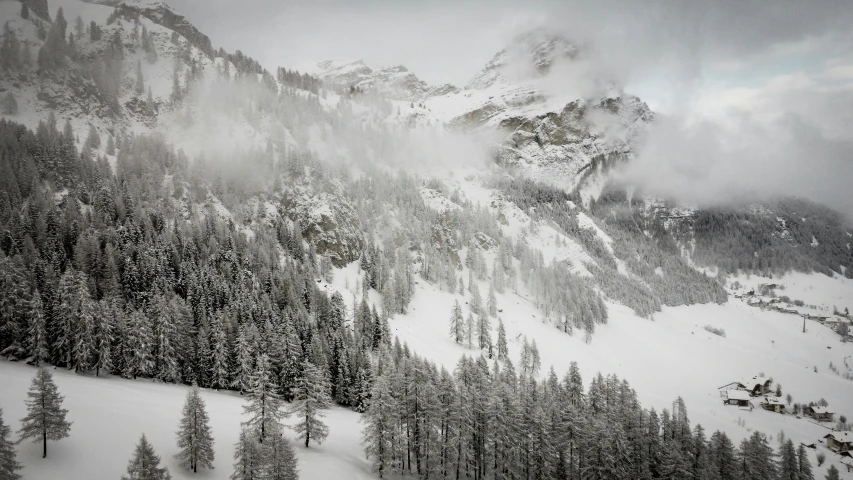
<point>174,212</point>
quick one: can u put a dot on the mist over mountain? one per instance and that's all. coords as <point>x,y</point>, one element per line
<point>363,273</point>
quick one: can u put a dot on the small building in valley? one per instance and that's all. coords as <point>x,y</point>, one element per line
<point>757,386</point>
<point>840,442</point>
<point>773,404</point>
<point>819,413</point>
<point>736,397</point>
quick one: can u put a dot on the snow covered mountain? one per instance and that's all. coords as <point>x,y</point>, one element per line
<point>350,204</point>
<point>538,122</point>
<point>394,82</point>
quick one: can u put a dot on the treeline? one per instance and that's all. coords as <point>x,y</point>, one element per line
<point>485,421</point>
<point>299,80</point>
<point>125,274</point>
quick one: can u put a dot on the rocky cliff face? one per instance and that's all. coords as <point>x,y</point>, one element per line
<point>395,82</point>
<point>544,133</point>
<point>327,221</point>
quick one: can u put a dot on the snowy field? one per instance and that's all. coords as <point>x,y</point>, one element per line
<point>110,414</point>
<point>670,356</point>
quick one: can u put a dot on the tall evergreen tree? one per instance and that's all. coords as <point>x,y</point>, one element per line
<point>45,418</point>
<point>380,432</point>
<point>503,349</point>
<point>279,459</point>
<point>264,406</point>
<point>457,325</point>
<point>248,457</point>
<point>310,398</point>
<point>9,465</point>
<point>804,466</point>
<point>145,464</point>
<point>37,334</point>
<point>194,437</point>
<point>832,473</point>
<point>789,469</point>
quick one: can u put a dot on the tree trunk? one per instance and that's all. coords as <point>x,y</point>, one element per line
<point>44,443</point>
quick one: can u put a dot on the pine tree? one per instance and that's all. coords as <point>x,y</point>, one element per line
<point>535,361</point>
<point>469,330</point>
<point>310,398</point>
<point>264,406</point>
<point>45,418</point>
<point>380,434</point>
<point>245,354</point>
<point>832,473</point>
<point>484,334</point>
<point>138,353</point>
<point>104,337</point>
<point>279,458</point>
<point>145,464</point>
<point>194,437</point>
<point>219,362</point>
<point>248,456</point>
<point>804,466</point>
<point>493,302</point>
<point>164,318</point>
<point>788,466</point>
<point>37,333</point>
<point>457,326</point>
<point>502,348</point>
<point>476,299</point>
<point>9,465</point>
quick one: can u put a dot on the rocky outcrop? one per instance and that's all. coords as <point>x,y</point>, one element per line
<point>327,220</point>
<point>162,14</point>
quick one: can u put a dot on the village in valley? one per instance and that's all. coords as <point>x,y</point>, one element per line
<point>765,297</point>
<point>759,390</point>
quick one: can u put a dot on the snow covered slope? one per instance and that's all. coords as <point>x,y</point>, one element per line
<point>109,415</point>
<point>671,356</point>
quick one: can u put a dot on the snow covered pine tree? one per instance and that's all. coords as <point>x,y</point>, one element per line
<point>194,436</point>
<point>45,418</point>
<point>9,465</point>
<point>310,398</point>
<point>145,464</point>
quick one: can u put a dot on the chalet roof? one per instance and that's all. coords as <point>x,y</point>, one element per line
<point>737,394</point>
<point>752,382</point>
<point>841,437</point>
<point>772,401</point>
<point>819,409</point>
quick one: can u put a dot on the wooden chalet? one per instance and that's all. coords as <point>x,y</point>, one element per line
<point>840,442</point>
<point>819,413</point>
<point>757,386</point>
<point>773,404</point>
<point>736,397</point>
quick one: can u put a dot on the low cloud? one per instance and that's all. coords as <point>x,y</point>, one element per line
<point>706,163</point>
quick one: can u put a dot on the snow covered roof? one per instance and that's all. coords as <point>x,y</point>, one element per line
<point>771,401</point>
<point>754,381</point>
<point>841,437</point>
<point>737,395</point>
<point>819,409</point>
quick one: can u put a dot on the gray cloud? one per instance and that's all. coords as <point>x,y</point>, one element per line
<point>758,95</point>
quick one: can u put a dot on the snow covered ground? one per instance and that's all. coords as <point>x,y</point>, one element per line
<point>110,414</point>
<point>670,356</point>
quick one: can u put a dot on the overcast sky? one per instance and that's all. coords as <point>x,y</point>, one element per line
<point>740,74</point>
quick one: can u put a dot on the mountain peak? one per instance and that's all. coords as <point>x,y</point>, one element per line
<point>529,55</point>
